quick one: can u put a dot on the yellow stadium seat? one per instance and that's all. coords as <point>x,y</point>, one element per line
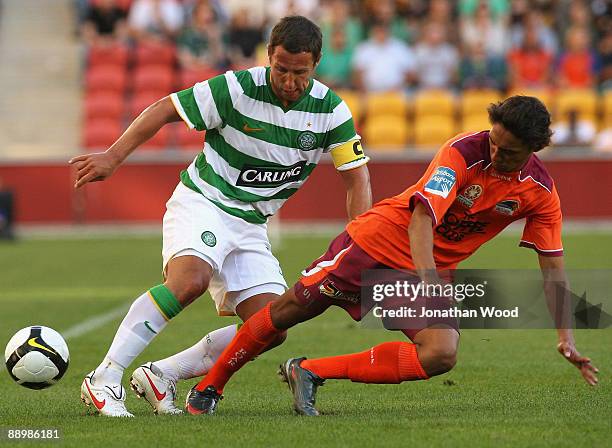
<point>542,95</point>
<point>386,104</point>
<point>354,102</point>
<point>476,102</point>
<point>475,122</point>
<point>383,133</point>
<point>432,131</point>
<point>582,101</point>
<point>607,109</point>
<point>434,102</point>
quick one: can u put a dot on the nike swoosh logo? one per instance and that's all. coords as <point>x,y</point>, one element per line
<point>32,342</point>
<point>146,324</point>
<point>247,128</point>
<point>97,403</point>
<point>158,395</point>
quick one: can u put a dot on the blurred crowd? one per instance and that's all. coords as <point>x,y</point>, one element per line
<point>373,46</point>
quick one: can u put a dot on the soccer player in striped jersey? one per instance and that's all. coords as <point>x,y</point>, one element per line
<point>266,130</point>
<point>477,184</point>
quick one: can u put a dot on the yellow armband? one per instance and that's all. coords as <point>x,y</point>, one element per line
<point>349,155</point>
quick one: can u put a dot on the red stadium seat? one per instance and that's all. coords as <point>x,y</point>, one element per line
<point>104,105</point>
<point>109,55</point>
<point>189,77</point>
<point>140,102</point>
<point>106,78</point>
<point>189,139</point>
<point>158,79</point>
<point>155,53</point>
<point>100,134</point>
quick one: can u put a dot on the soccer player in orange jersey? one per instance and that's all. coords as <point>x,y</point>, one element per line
<point>477,184</point>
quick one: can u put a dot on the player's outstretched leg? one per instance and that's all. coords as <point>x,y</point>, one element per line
<point>433,353</point>
<point>187,279</point>
<point>265,328</point>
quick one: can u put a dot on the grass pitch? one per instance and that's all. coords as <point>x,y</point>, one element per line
<point>509,388</point>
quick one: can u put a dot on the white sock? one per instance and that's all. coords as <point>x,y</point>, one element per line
<point>139,326</point>
<point>199,358</point>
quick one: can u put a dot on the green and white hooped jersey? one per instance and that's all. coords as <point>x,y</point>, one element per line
<point>257,152</point>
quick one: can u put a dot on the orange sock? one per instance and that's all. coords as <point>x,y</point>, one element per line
<point>252,338</point>
<point>387,363</point>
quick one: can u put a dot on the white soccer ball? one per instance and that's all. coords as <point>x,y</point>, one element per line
<point>36,357</point>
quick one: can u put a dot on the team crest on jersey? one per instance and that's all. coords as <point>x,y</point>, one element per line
<point>307,140</point>
<point>508,207</point>
<point>209,238</point>
<point>441,182</point>
<point>470,194</point>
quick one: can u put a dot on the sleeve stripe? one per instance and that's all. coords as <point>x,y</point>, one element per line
<point>354,164</point>
<point>425,202</point>
<point>545,252</point>
<point>179,109</point>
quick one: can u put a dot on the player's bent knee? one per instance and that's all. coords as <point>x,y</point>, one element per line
<point>439,359</point>
<point>189,290</point>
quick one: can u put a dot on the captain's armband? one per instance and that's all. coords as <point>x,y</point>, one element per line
<point>349,155</point>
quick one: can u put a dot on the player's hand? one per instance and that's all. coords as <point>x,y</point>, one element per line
<point>582,363</point>
<point>93,167</point>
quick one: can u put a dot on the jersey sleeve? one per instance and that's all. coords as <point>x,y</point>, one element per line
<point>542,230</point>
<point>197,106</point>
<point>437,188</point>
<point>341,128</point>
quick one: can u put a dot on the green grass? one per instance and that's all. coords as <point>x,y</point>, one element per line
<point>510,388</point>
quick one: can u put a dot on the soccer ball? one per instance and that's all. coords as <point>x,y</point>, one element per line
<point>36,357</point>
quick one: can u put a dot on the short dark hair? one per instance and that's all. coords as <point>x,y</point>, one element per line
<point>526,118</point>
<point>297,34</point>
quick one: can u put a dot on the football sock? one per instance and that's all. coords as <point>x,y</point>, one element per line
<point>387,363</point>
<point>252,338</point>
<point>198,359</point>
<point>147,316</point>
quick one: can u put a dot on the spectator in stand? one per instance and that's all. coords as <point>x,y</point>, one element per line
<point>105,23</point>
<point>245,34</point>
<point>384,11</point>
<point>602,16</point>
<point>382,63</point>
<point>280,8</point>
<point>155,19</point>
<point>200,45</point>
<point>334,70</point>
<point>412,14</point>
<point>605,57</point>
<point>578,64</point>
<point>479,70</point>
<point>534,22</point>
<point>337,16</point>
<point>498,9</point>
<point>441,12</point>
<point>485,29</point>
<point>437,62</point>
<point>530,64</point>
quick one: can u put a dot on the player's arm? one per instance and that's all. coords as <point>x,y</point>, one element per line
<point>351,164</point>
<point>556,289</point>
<point>420,235</point>
<point>99,166</point>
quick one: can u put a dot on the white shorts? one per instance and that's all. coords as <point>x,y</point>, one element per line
<point>239,252</point>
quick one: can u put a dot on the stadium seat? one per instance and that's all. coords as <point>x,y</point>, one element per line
<point>607,109</point>
<point>109,55</point>
<point>155,53</point>
<point>190,77</point>
<point>153,79</point>
<point>354,103</point>
<point>386,104</point>
<point>140,102</point>
<point>383,133</point>
<point>434,102</point>
<point>432,131</point>
<point>101,133</point>
<point>106,78</point>
<point>189,139</point>
<point>474,102</point>
<point>475,122</point>
<point>104,105</point>
<point>582,101</point>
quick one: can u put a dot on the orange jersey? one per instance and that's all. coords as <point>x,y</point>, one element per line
<point>469,203</point>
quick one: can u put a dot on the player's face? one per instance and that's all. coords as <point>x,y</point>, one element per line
<point>290,73</point>
<point>508,153</point>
